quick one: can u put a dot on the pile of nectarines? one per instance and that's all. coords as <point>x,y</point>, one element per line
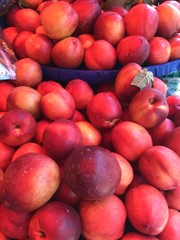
<point>88,161</point>
<point>80,160</point>
<point>84,34</point>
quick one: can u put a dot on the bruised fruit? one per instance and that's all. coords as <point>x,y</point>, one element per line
<point>92,172</point>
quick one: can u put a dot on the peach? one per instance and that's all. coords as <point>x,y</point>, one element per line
<point>17,126</point>
<point>39,48</point>
<point>127,174</point>
<point>134,48</point>
<point>37,171</point>
<point>34,76</point>
<point>137,236</point>
<point>26,148</point>
<point>88,17</point>
<point>134,24</point>
<point>159,84</point>
<point>5,88</point>
<point>159,132</point>
<point>44,4</point>
<point>18,43</point>
<point>113,213</point>
<point>174,3</point>
<point>48,86</point>
<point>10,33</point>
<point>173,198</point>
<point>41,125</point>
<point>91,135</point>
<point>7,153</point>
<point>101,55</point>
<point>86,39</point>
<point>171,230</point>
<point>160,166</point>
<point>27,19</point>
<point>126,136</point>
<point>148,107</point>
<point>65,194</point>
<point>160,50</point>
<point>110,27</point>
<point>14,224</point>
<point>60,100</point>
<point>174,105</point>
<point>25,98</point>
<point>109,115</point>
<point>92,172</point>
<point>61,216</point>
<point>40,29</point>
<point>124,90</point>
<point>175,47</point>
<point>168,20</point>
<point>81,92</point>
<point>59,20</point>
<point>60,138</point>
<point>68,53</point>
<point>171,140</point>
<point>148,218</point>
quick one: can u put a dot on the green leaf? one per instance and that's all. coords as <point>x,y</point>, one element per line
<point>143,78</point>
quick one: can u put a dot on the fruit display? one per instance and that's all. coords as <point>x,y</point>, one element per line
<point>88,160</point>
<point>56,33</point>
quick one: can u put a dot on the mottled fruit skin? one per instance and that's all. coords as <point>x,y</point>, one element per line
<point>29,182</point>
<point>92,172</point>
